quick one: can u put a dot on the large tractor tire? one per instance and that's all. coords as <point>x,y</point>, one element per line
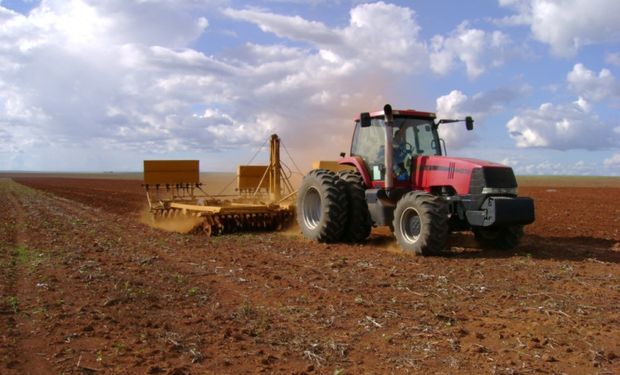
<point>421,223</point>
<point>322,206</point>
<point>359,223</point>
<point>502,238</point>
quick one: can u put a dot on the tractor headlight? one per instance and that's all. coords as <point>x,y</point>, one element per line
<point>499,191</point>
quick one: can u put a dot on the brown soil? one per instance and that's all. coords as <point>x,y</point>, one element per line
<point>85,288</point>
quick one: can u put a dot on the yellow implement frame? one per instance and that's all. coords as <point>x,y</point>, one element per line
<point>177,188</point>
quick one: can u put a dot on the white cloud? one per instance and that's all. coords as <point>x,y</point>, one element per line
<point>480,105</point>
<point>474,48</point>
<point>562,127</point>
<point>595,87</point>
<point>547,168</point>
<point>84,72</point>
<point>292,27</point>
<point>126,80</point>
<point>609,167</point>
<point>380,34</point>
<point>613,161</point>
<point>457,105</point>
<point>451,106</point>
<point>567,25</point>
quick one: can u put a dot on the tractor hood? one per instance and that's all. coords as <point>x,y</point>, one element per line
<point>463,175</point>
<point>473,163</point>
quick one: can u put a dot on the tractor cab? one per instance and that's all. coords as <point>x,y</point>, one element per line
<point>412,141</point>
<point>412,134</point>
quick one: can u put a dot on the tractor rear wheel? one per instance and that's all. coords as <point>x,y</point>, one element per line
<point>421,223</point>
<point>322,206</point>
<point>357,227</point>
<point>503,238</point>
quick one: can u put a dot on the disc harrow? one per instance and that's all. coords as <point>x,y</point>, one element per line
<point>214,224</point>
<point>263,202</point>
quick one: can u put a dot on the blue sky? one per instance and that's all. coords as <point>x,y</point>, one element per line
<point>91,86</point>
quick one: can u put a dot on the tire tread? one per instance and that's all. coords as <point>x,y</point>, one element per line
<point>434,218</point>
<point>334,211</point>
<point>358,224</point>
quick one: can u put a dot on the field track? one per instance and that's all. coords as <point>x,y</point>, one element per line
<point>85,287</point>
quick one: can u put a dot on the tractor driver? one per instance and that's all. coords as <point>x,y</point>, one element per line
<point>401,155</point>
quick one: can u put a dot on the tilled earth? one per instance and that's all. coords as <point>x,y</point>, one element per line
<point>85,288</point>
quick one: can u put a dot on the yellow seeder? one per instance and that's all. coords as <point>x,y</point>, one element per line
<point>264,200</point>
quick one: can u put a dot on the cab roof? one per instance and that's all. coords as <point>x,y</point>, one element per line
<point>402,113</point>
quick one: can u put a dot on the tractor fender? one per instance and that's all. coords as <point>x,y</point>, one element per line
<point>360,166</point>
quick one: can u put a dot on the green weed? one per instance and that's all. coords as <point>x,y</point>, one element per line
<point>13,303</point>
<point>178,278</point>
<point>247,311</point>
<point>119,348</point>
<point>22,254</point>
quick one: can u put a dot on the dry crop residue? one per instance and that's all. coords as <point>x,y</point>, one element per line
<point>87,288</point>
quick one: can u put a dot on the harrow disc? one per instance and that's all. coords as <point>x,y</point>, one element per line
<point>213,224</point>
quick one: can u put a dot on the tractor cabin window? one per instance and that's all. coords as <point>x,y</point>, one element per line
<point>369,143</point>
<point>411,137</point>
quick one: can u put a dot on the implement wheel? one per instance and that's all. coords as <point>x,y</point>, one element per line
<point>421,223</point>
<point>322,206</point>
<point>357,227</point>
<point>502,238</point>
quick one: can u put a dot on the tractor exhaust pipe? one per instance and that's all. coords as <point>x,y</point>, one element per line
<point>389,134</point>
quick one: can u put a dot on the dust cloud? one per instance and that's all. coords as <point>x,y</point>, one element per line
<point>177,224</point>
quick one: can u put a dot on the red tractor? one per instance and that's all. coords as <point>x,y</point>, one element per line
<point>399,177</point>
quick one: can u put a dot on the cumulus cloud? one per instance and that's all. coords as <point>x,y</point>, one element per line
<point>592,86</point>
<point>293,27</point>
<point>375,32</point>
<point>120,75</point>
<point>475,48</point>
<point>127,76</point>
<point>562,127</point>
<point>79,69</point>
<point>457,105</point>
<point>567,25</point>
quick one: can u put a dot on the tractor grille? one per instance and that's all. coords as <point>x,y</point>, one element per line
<point>477,181</point>
<point>492,177</point>
<point>500,177</point>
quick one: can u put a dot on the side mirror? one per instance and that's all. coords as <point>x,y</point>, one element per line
<point>387,111</point>
<point>469,123</point>
<point>365,119</point>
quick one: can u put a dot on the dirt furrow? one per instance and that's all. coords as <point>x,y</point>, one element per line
<point>28,355</point>
<point>9,301</point>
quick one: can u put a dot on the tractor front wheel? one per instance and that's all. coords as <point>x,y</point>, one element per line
<point>503,238</point>
<point>322,206</point>
<point>421,223</point>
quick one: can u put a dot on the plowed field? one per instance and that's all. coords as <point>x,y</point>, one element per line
<point>85,288</point>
